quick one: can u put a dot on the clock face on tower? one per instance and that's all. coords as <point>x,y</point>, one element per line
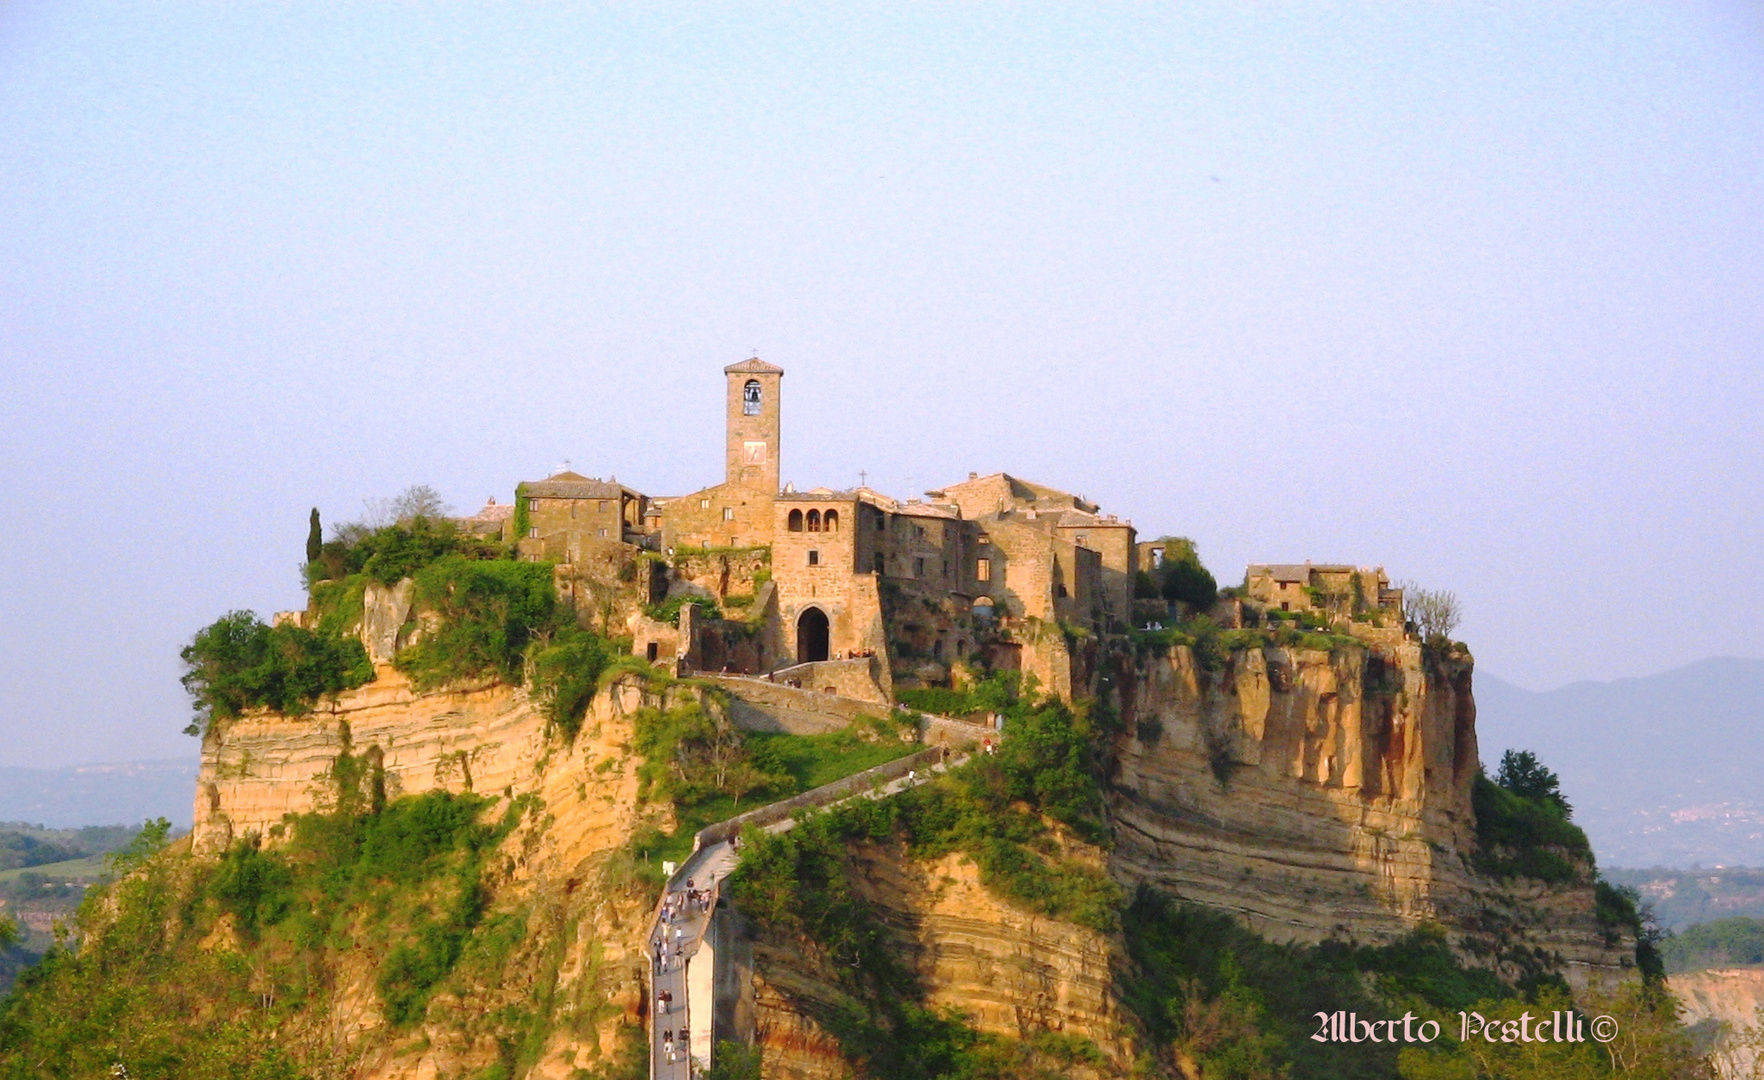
<point>753,453</point>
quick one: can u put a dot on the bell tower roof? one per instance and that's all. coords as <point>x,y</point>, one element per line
<point>753,366</point>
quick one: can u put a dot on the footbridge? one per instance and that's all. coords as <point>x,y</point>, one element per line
<point>698,964</point>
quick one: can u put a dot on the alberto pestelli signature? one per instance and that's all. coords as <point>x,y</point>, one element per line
<point>1561,1026</point>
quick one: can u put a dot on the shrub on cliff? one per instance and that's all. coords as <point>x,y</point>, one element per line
<point>397,551</point>
<point>1527,835</point>
<point>238,663</point>
<point>486,612</point>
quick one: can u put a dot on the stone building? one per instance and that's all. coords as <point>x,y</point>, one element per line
<point>1329,589</point>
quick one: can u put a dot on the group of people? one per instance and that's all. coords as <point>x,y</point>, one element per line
<point>669,952</point>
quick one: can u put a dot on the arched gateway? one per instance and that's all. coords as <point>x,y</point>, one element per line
<point>811,635</point>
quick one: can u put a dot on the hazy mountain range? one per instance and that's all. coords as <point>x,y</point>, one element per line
<point>1666,770</point>
<point>126,793</point>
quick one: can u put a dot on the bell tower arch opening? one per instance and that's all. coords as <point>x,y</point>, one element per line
<point>811,635</point>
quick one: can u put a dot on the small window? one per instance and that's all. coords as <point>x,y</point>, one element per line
<point>1083,540</point>
<point>983,539</point>
<point>881,563</point>
<point>919,568</point>
<point>983,570</point>
<point>532,505</point>
<point>533,533</point>
<point>814,557</point>
<point>1060,589</point>
<point>602,506</point>
<point>814,521</point>
<point>654,651</point>
<point>881,523</point>
<point>946,568</point>
<point>919,531</point>
<point>795,521</point>
<point>1285,606</point>
<point>704,504</point>
<point>603,534</point>
<point>750,398</point>
<point>831,521</point>
<point>1157,558</point>
<point>728,513</point>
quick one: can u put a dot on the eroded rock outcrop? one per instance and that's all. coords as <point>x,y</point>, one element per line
<point>1328,794</point>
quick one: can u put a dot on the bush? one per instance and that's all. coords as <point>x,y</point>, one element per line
<point>238,663</point>
<point>488,614</point>
<point>566,673</point>
<point>395,552</point>
<point>1524,836</point>
<point>668,611</point>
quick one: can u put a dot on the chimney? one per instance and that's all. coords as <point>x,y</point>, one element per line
<point>973,476</point>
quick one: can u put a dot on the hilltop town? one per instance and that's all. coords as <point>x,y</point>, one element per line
<point>995,571</point>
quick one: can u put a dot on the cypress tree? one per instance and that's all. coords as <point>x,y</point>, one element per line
<point>315,537</point>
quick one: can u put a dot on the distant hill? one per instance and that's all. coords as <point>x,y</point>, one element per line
<point>1663,771</point>
<point>126,793</point>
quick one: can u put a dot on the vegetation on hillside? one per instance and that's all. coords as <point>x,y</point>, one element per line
<point>1733,942</point>
<point>705,770</point>
<point>238,663</point>
<point>196,968</point>
<point>1180,578</point>
<point>1523,827</point>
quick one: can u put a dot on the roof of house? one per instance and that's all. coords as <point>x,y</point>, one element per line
<point>1020,491</point>
<point>1078,519</point>
<point>753,365</point>
<point>493,511</point>
<point>571,485</point>
<point>1296,571</point>
<point>928,510</point>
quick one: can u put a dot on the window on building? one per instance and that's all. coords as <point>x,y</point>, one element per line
<point>603,505</point>
<point>654,650</point>
<point>831,521</point>
<point>881,563</point>
<point>728,513</point>
<point>1060,589</point>
<point>919,531</point>
<point>795,521</point>
<point>1083,540</point>
<point>881,522</point>
<point>533,532</point>
<point>704,504</point>
<point>946,568</point>
<point>983,539</point>
<point>1285,605</point>
<point>603,534</point>
<point>814,521</point>
<point>1157,558</point>
<point>983,570</point>
<point>750,398</point>
<point>814,557</point>
<point>919,568</point>
<point>532,504</point>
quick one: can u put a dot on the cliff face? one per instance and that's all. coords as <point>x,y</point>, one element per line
<point>1009,972</point>
<point>580,949</point>
<point>1325,793</point>
<point>1731,996</point>
<point>1298,788</point>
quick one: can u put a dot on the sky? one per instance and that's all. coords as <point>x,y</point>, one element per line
<point>1475,293</point>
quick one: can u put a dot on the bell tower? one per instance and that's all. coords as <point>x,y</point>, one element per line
<point>752,414</point>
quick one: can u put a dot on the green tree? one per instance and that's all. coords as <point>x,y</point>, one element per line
<point>8,933</point>
<point>1522,774</point>
<point>315,537</point>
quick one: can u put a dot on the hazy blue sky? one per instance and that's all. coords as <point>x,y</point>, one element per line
<point>1475,293</point>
